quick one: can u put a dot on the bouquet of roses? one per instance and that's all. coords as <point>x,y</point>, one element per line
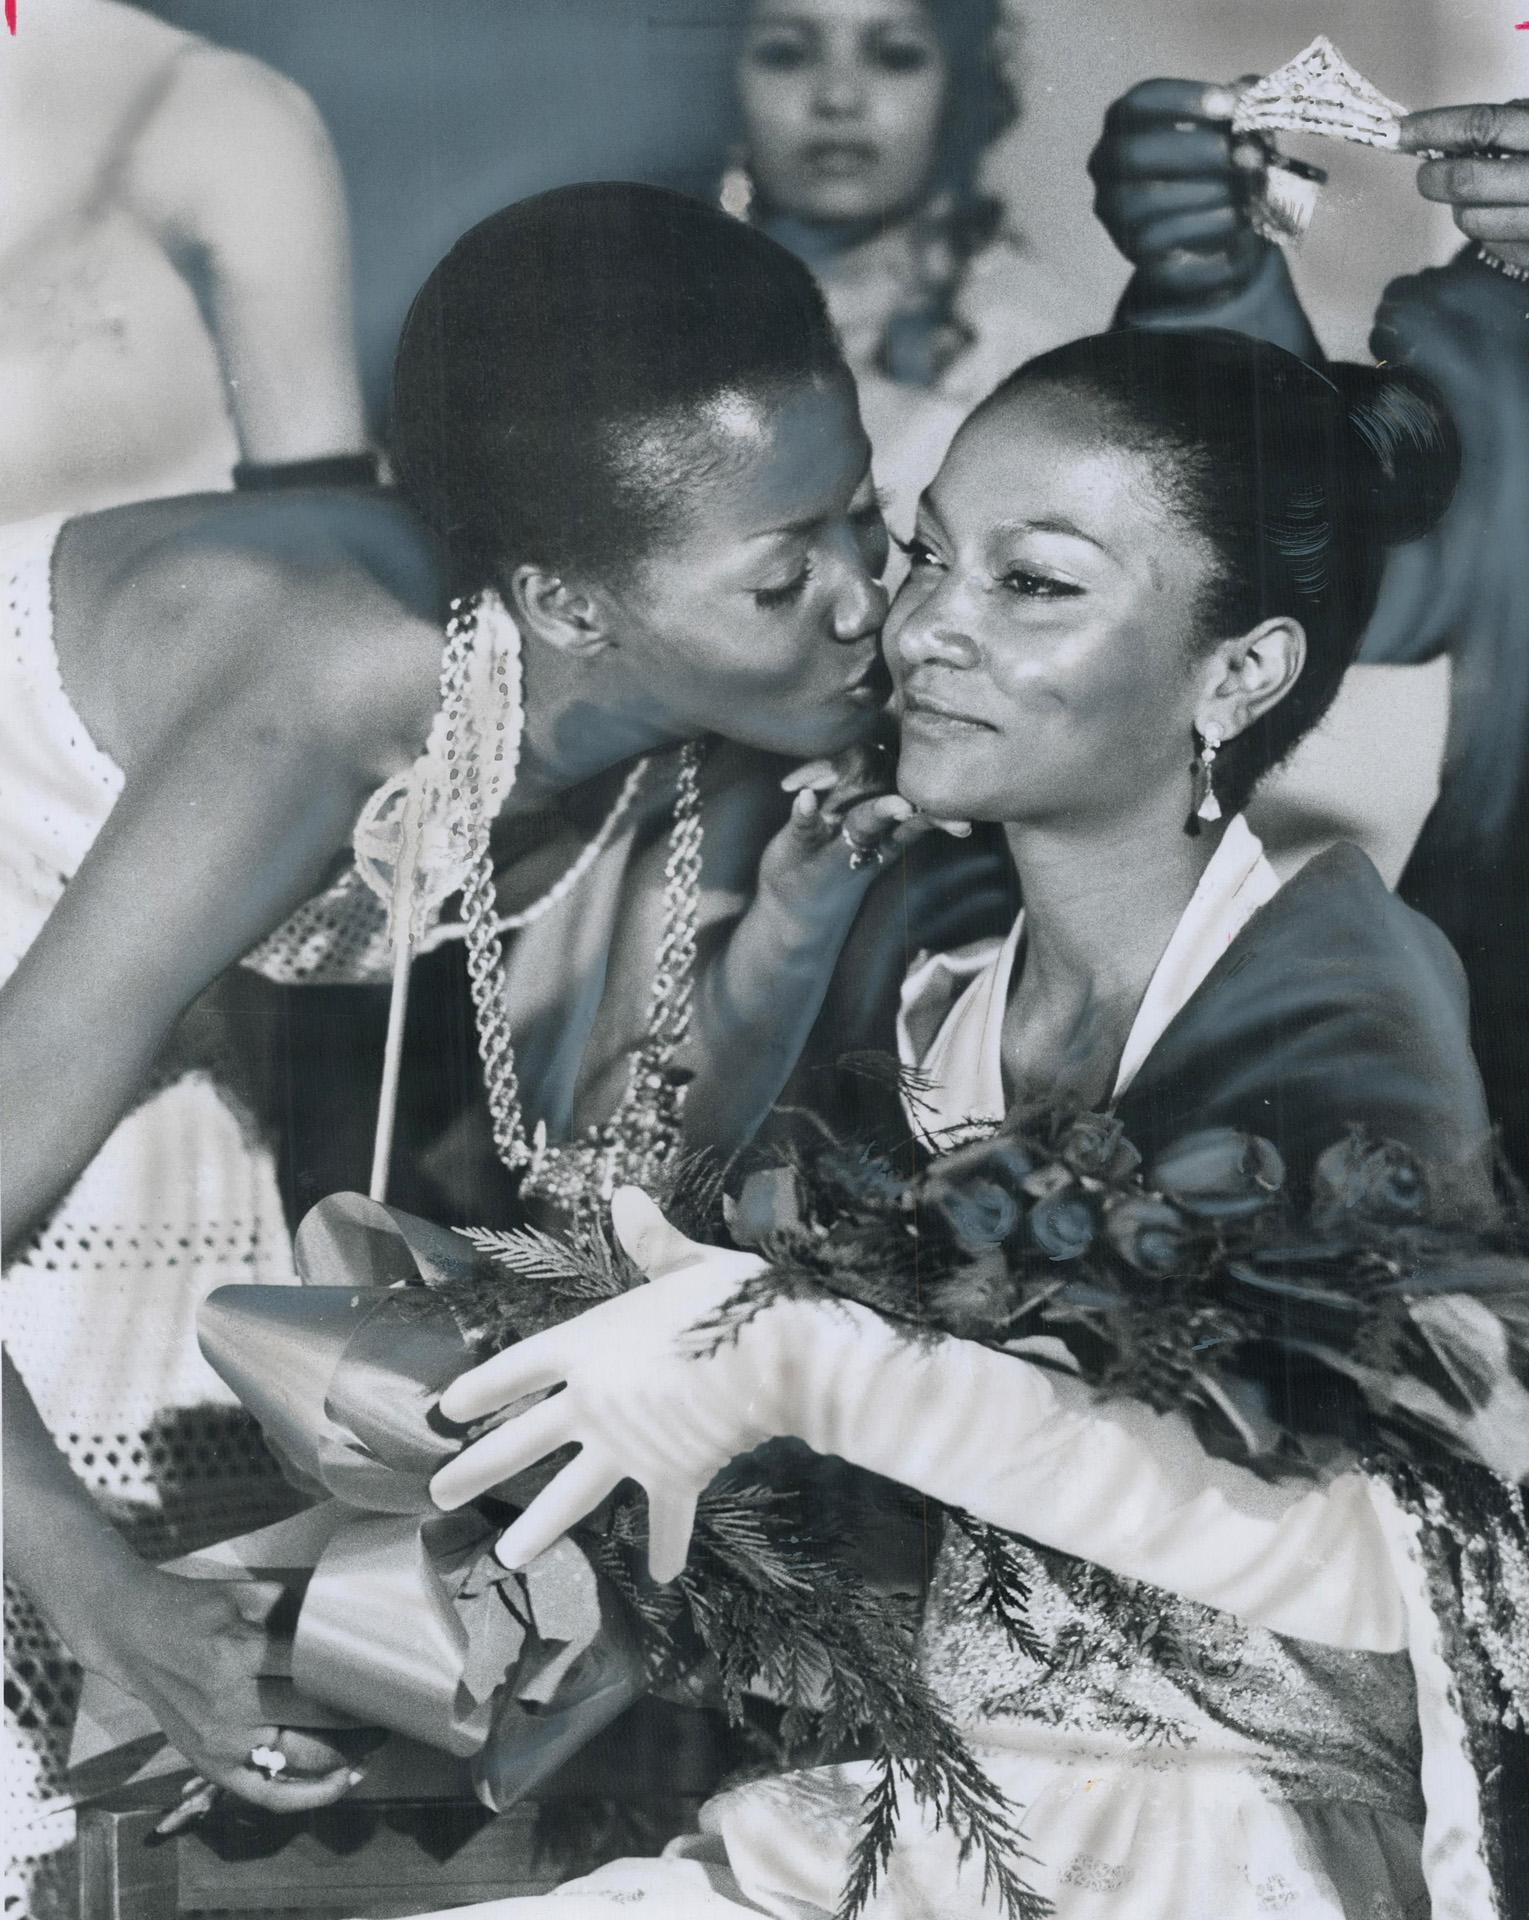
<point>1362,1313</point>
<point>1358,1319</point>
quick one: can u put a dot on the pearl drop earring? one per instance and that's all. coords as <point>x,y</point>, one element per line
<point>1203,802</point>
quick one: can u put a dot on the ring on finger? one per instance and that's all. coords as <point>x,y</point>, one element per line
<point>861,853</point>
<point>268,1761</point>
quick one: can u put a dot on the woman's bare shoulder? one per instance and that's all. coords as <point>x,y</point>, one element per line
<point>321,605</point>
<point>216,541</point>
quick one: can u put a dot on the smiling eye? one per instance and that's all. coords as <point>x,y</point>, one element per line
<point>1039,586</point>
<point>767,597</point>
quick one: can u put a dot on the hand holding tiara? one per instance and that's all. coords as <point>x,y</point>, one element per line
<point>1173,185</point>
<point>1189,181</point>
<point>1476,162</point>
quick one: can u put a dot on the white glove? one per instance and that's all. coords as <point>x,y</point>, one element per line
<point>649,1395</point>
<point>637,1398</point>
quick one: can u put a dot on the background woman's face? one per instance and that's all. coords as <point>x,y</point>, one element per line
<point>759,619</point>
<point>1041,644</point>
<point>842,105</point>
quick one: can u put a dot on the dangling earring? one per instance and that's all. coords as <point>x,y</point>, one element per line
<point>1203,804</point>
<point>736,193</point>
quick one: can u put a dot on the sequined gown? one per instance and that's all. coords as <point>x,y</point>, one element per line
<point>1169,1761</point>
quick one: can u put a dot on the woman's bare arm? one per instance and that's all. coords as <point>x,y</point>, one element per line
<point>254,691</point>
<point>207,849</point>
<point>254,700</point>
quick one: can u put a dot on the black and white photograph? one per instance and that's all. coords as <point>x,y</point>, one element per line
<point>764,959</point>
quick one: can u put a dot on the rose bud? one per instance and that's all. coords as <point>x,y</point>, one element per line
<point>1063,1224</point>
<point>976,1213</point>
<point>1096,1148</point>
<point>1219,1173</point>
<point>1151,1235</point>
<point>1382,1182</point>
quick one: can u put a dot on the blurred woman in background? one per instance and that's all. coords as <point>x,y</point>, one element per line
<point>175,293</point>
<point>864,129</point>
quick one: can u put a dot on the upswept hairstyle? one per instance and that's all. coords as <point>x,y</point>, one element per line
<point>1300,480</point>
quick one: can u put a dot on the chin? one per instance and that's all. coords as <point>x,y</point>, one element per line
<point>921,779</point>
<point>844,204</point>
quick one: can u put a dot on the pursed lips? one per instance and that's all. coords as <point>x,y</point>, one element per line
<point>871,682</point>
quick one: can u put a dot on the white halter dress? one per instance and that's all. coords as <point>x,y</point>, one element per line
<point>100,1307</point>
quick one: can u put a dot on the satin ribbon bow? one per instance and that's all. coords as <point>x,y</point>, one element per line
<point>406,1619</point>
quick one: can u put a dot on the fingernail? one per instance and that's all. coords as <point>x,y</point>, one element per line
<point>354,1777</point>
<point>1219,103</point>
<point>507,1557</point>
<point>191,1809</point>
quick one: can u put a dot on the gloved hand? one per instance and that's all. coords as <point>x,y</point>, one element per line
<point>638,1397</point>
<point>650,1395</point>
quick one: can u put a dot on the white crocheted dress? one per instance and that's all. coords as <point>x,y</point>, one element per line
<point>100,1307</point>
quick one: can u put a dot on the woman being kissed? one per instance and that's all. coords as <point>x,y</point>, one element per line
<point>1136,583</point>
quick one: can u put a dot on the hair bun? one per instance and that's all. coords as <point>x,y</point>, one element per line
<point>1406,446</point>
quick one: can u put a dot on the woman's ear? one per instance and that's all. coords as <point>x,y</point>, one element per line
<point>568,617</point>
<point>1251,674</point>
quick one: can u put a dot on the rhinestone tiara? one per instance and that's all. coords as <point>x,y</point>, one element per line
<point>1319,92</point>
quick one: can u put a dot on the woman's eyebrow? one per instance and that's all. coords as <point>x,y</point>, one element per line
<point>1069,528</point>
<point>789,527</point>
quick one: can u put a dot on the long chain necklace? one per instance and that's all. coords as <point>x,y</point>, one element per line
<point>642,1135</point>
<point>558,892</point>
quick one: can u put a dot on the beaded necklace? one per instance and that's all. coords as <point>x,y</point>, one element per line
<point>469,769</point>
<point>558,892</point>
